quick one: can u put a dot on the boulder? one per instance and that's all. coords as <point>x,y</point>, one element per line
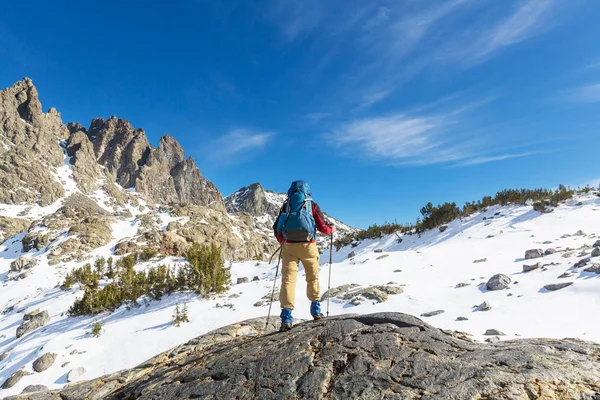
<point>44,362</point>
<point>549,251</point>
<point>481,260</point>
<point>32,321</point>
<point>34,388</point>
<point>596,252</point>
<point>354,357</point>
<point>597,244</point>
<point>485,306</point>
<point>498,282</point>
<point>22,263</point>
<point>528,268</point>
<point>557,286</point>
<point>493,332</point>
<point>14,379</point>
<point>432,313</point>
<point>10,227</point>
<point>75,374</point>
<point>443,228</point>
<point>594,268</point>
<point>462,319</point>
<point>534,253</point>
<point>356,294</point>
<point>242,280</point>
<point>351,254</point>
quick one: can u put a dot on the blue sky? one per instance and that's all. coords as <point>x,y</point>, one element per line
<point>381,106</point>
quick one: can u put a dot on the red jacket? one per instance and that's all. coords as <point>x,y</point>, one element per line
<point>323,226</point>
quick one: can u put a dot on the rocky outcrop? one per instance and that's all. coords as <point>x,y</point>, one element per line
<point>29,147</point>
<point>356,294</point>
<point>376,356</point>
<point>80,148</point>
<point>9,227</point>
<point>238,237</point>
<point>32,321</point>
<point>162,174</point>
<point>34,388</point>
<point>254,201</point>
<point>14,379</point>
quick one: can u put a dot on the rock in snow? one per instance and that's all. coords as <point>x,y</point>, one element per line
<point>44,362</point>
<point>75,374</point>
<point>32,321</point>
<point>557,286</point>
<point>534,253</point>
<point>432,313</point>
<point>498,282</point>
<point>528,268</point>
<point>355,357</point>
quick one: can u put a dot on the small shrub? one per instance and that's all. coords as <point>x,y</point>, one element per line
<point>97,328</point>
<point>147,254</point>
<point>181,315</point>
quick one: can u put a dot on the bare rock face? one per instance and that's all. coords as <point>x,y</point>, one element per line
<point>252,200</point>
<point>29,147</point>
<point>376,356</point>
<point>14,379</point>
<point>120,148</point>
<point>83,159</point>
<point>9,227</point>
<point>32,321</point>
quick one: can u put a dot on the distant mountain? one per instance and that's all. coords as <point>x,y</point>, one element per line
<point>111,164</point>
<point>264,206</point>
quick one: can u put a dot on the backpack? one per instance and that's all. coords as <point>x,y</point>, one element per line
<point>296,223</point>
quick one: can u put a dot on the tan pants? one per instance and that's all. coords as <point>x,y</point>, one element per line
<point>292,254</point>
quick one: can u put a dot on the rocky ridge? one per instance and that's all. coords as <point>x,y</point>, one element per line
<point>45,162</point>
<point>383,356</point>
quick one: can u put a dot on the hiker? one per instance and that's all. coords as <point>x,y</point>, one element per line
<point>296,229</point>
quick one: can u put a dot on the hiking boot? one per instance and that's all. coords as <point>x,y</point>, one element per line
<point>318,316</point>
<point>285,326</point>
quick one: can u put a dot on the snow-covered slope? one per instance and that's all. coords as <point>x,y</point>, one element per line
<point>427,267</point>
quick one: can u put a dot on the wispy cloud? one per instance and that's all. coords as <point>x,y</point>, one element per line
<point>589,93</point>
<point>526,21</point>
<point>317,117</point>
<point>483,160</point>
<point>416,138</point>
<point>389,45</point>
<point>240,145</point>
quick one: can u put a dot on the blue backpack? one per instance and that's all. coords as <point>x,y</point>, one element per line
<point>296,223</point>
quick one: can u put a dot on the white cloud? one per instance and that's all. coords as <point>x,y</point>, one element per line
<point>526,21</point>
<point>483,160</point>
<point>374,97</point>
<point>413,138</point>
<point>239,145</point>
<point>317,117</point>
<point>588,94</point>
<point>386,46</point>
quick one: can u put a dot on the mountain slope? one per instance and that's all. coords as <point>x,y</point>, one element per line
<point>431,272</point>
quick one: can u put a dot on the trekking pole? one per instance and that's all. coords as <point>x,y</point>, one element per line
<point>329,280</point>
<point>274,283</point>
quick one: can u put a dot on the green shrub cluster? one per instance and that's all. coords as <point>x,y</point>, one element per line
<point>180,316</point>
<point>203,273</point>
<point>436,216</point>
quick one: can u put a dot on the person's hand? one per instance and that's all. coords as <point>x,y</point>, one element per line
<point>333,229</point>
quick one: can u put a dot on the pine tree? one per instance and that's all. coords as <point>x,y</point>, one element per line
<point>184,314</point>
<point>177,316</point>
